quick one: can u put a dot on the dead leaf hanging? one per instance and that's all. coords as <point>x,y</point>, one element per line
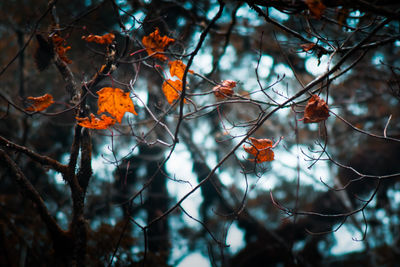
<point>105,39</point>
<point>307,47</point>
<point>225,89</point>
<point>95,123</point>
<point>155,43</point>
<point>39,103</point>
<point>261,149</point>
<point>177,68</point>
<point>171,90</point>
<point>115,101</point>
<point>316,110</point>
<point>61,49</point>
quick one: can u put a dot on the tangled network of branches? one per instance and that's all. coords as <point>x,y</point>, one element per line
<point>253,133</point>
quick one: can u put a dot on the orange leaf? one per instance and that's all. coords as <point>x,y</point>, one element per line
<point>105,39</point>
<point>115,101</point>
<point>261,149</point>
<point>177,68</point>
<point>39,103</point>
<point>61,51</point>
<point>171,90</point>
<point>57,40</point>
<point>94,123</point>
<point>316,7</point>
<point>225,89</point>
<point>60,47</point>
<point>155,43</point>
<point>307,47</point>
<point>102,68</point>
<point>316,110</point>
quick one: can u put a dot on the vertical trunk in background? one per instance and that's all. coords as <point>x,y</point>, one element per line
<point>156,204</point>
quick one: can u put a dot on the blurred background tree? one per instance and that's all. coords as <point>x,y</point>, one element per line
<point>174,181</point>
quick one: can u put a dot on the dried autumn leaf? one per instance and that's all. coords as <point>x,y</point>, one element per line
<point>316,7</point>
<point>155,43</point>
<point>307,47</point>
<point>61,49</point>
<point>39,103</point>
<point>95,123</point>
<point>171,90</point>
<point>102,68</point>
<point>261,149</point>
<point>114,101</point>
<point>177,68</point>
<point>58,40</point>
<point>225,89</point>
<point>105,39</point>
<point>316,110</point>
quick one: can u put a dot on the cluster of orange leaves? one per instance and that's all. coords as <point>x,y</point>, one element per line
<point>115,102</point>
<point>39,103</point>
<point>105,39</point>
<point>61,48</point>
<point>315,111</point>
<point>156,44</point>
